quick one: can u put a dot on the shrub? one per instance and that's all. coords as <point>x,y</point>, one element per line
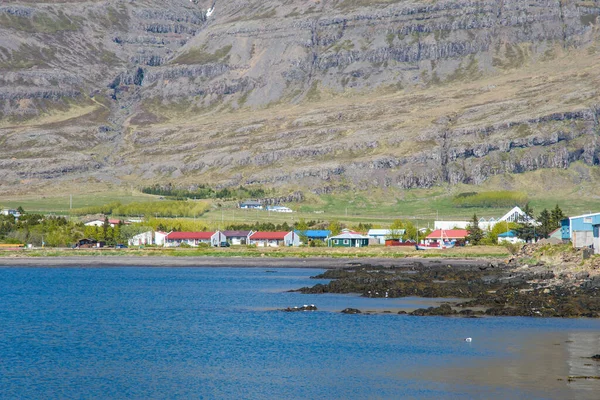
<point>513,248</point>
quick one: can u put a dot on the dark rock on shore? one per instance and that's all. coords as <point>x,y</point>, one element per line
<point>305,307</point>
<point>444,309</point>
<point>503,290</point>
<point>351,311</point>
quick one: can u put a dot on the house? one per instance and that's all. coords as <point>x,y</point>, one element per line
<point>88,243</point>
<point>159,238</point>
<point>380,235</point>
<point>514,215</point>
<point>237,237</point>
<point>275,239</point>
<point>509,237</point>
<point>175,239</point>
<point>460,235</point>
<point>348,239</point>
<point>279,209</point>
<point>251,205</point>
<point>580,229</point>
<point>315,234</point>
<point>141,239</point>
<point>9,211</point>
<point>447,225</point>
<point>555,234</point>
<point>111,222</point>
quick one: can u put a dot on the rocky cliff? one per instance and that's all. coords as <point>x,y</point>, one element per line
<point>319,94</point>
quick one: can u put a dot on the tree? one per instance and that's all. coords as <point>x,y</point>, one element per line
<point>475,235</point>
<point>546,226</point>
<point>557,215</point>
<point>410,231</point>
<point>335,227</point>
<point>397,229</point>
<point>105,227</point>
<point>528,211</point>
<point>302,227</point>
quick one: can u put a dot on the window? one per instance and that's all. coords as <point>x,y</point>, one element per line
<point>345,241</point>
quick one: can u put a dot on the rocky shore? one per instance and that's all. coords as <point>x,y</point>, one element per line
<point>513,287</point>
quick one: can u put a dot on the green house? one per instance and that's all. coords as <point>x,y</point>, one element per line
<point>348,239</point>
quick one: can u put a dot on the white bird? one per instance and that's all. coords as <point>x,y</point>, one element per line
<point>468,340</point>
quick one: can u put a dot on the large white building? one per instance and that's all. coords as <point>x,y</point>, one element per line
<point>514,215</point>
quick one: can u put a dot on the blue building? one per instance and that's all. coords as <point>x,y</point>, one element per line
<point>596,234</point>
<point>580,229</point>
<point>315,234</point>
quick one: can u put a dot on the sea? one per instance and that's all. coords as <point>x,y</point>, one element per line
<point>218,333</point>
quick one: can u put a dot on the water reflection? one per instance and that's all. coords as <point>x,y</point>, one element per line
<point>534,365</point>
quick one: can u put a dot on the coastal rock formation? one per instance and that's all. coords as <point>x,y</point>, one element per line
<point>537,290</point>
<point>329,95</point>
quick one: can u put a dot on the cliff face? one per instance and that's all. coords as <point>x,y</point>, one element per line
<point>321,94</point>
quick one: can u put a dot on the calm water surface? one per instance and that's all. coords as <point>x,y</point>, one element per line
<point>215,333</point>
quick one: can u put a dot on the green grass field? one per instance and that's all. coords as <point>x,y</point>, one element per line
<point>276,252</point>
<point>573,190</point>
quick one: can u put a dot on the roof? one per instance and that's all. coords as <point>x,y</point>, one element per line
<point>251,203</point>
<point>384,232</point>
<point>315,233</point>
<point>268,235</point>
<point>349,235</point>
<point>584,215</point>
<point>189,235</point>
<point>448,234</point>
<point>236,233</point>
<point>508,234</point>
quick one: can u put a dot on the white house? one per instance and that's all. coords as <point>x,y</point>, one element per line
<point>159,238</point>
<point>514,215</point>
<point>100,222</point>
<point>279,209</point>
<point>509,237</point>
<point>9,211</point>
<point>381,234</point>
<point>237,237</point>
<point>141,239</point>
<point>250,204</point>
<point>275,239</point>
<point>176,239</point>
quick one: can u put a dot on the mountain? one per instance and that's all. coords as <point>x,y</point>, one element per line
<point>321,95</point>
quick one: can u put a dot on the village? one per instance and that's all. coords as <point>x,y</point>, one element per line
<point>581,230</point>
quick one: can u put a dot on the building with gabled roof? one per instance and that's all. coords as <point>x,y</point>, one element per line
<point>237,237</point>
<point>175,239</point>
<point>458,235</point>
<point>275,239</point>
<point>348,239</point>
<point>315,234</point>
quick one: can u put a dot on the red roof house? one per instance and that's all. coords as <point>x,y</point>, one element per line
<point>174,239</point>
<point>448,234</point>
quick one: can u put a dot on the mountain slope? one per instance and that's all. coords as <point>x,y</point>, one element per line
<point>325,95</point>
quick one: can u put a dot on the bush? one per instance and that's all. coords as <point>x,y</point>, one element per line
<point>318,243</point>
<point>203,245</point>
<point>185,245</point>
<point>513,248</point>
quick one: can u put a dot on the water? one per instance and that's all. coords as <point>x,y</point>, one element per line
<point>150,333</point>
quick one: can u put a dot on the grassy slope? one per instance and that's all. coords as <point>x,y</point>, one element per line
<point>545,188</point>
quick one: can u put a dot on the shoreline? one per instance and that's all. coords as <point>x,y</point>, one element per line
<point>232,262</point>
